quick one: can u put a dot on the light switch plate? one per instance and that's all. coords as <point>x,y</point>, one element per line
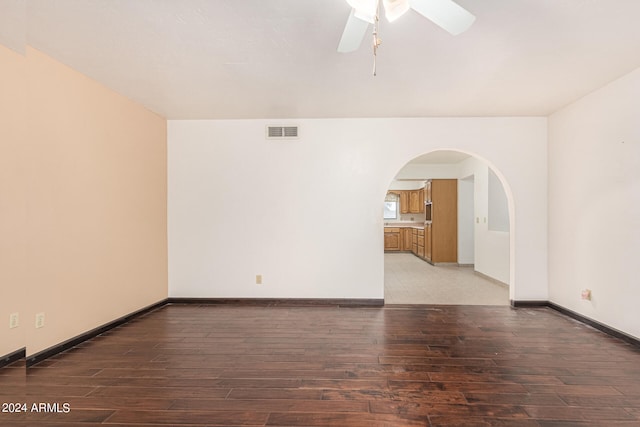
<point>13,320</point>
<point>39,320</point>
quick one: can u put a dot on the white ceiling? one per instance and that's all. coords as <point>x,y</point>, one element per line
<point>221,59</point>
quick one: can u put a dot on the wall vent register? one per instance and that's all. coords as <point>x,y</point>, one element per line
<point>282,132</point>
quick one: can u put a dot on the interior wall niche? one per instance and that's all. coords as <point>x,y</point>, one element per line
<point>498,212</point>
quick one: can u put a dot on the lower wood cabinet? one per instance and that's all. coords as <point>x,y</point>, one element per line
<point>414,241</point>
<point>418,241</point>
<point>428,242</point>
<point>392,239</point>
<point>407,238</point>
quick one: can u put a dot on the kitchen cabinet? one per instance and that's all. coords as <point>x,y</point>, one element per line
<point>411,201</point>
<point>404,202</point>
<point>416,201</point>
<point>392,240</point>
<point>398,238</point>
<point>428,243</point>
<point>414,241</point>
<point>406,234</point>
<point>441,235</point>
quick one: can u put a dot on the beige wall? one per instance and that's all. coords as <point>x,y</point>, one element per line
<point>96,206</point>
<point>594,201</point>
<point>13,201</point>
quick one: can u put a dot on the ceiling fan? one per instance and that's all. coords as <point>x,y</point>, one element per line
<point>445,13</point>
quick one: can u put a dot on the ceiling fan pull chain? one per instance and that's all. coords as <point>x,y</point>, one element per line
<point>374,65</point>
<point>375,50</point>
<point>376,40</point>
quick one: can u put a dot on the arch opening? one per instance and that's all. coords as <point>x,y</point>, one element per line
<point>468,216</point>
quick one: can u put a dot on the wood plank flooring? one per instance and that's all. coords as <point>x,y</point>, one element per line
<point>242,365</point>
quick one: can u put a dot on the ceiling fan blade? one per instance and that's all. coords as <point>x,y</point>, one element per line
<point>353,33</point>
<point>445,13</point>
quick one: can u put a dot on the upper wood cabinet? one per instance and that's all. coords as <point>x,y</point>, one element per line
<point>404,202</point>
<point>411,201</point>
<point>427,192</point>
<point>416,201</point>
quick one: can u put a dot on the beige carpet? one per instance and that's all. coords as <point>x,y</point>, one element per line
<point>410,280</point>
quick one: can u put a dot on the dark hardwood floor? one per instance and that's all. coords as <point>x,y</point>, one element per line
<point>337,366</point>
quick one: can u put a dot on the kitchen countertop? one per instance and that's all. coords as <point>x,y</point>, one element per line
<point>404,224</point>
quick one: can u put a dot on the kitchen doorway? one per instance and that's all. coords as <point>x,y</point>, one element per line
<point>479,273</point>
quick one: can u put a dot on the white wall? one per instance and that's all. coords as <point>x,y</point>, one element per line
<point>492,249</point>
<point>594,204</point>
<point>406,185</point>
<point>428,170</point>
<point>307,214</point>
<point>498,219</point>
<point>466,224</point>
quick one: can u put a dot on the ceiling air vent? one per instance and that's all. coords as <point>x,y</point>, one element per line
<point>282,132</point>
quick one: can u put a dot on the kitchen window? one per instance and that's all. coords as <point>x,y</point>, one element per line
<point>391,206</point>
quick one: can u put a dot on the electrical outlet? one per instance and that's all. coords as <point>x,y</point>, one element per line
<point>39,320</point>
<point>258,279</point>
<point>13,320</point>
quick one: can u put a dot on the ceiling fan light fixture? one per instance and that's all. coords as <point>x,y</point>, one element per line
<point>447,14</point>
<point>364,9</point>
<point>394,9</point>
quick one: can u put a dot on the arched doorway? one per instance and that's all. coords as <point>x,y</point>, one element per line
<point>474,231</point>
